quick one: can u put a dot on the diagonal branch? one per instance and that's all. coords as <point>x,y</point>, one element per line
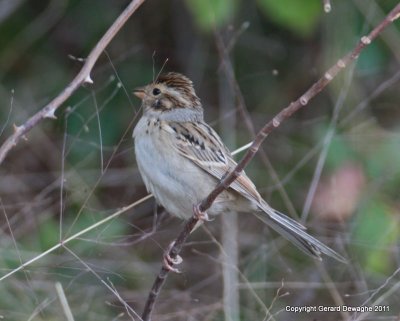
<point>82,77</point>
<point>75,236</point>
<point>262,134</point>
<point>296,105</point>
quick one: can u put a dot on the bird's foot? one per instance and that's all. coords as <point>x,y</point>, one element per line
<point>200,215</point>
<point>169,261</point>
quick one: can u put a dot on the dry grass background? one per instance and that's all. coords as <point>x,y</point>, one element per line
<point>334,164</point>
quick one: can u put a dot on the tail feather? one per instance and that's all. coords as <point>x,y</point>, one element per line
<point>295,233</point>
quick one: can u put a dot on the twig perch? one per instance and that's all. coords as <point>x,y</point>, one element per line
<point>262,134</point>
<point>82,77</point>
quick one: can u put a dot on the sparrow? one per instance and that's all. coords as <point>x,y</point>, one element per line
<point>181,159</point>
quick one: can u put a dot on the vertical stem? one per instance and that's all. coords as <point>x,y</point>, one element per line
<point>229,220</point>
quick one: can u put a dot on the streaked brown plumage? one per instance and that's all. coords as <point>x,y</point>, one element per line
<point>181,159</point>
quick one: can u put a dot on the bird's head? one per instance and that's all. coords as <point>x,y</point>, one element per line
<point>172,93</point>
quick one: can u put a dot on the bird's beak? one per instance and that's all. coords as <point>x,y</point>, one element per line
<point>139,92</point>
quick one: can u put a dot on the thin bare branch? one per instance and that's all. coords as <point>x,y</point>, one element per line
<point>75,236</point>
<point>64,302</point>
<point>82,77</point>
<point>298,104</point>
<point>284,114</point>
<point>244,114</point>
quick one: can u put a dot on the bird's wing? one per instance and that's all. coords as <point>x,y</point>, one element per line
<point>201,144</point>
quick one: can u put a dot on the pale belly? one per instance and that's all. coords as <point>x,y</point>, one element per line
<point>175,181</point>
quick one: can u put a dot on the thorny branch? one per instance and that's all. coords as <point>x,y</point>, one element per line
<point>262,134</point>
<point>82,77</point>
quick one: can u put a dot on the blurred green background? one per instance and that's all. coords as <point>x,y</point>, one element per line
<point>334,165</point>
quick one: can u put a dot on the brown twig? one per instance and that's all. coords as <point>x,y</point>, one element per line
<point>244,114</point>
<point>82,77</point>
<point>296,105</point>
<point>162,275</point>
<point>262,134</point>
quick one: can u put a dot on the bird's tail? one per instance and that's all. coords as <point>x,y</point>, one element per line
<point>295,233</point>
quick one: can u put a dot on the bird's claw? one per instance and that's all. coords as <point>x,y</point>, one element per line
<point>169,261</point>
<point>200,215</point>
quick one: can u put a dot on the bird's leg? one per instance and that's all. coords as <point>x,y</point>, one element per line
<point>169,262</point>
<point>200,215</point>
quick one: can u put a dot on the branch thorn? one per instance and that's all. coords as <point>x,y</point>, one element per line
<point>50,114</point>
<point>365,40</point>
<point>88,80</point>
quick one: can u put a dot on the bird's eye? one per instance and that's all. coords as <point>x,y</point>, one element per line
<point>156,91</point>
